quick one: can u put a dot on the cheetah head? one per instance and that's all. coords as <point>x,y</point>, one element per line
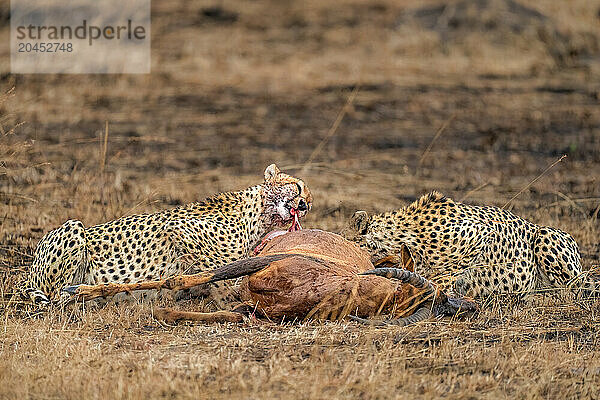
<point>357,229</point>
<point>367,232</point>
<point>286,199</point>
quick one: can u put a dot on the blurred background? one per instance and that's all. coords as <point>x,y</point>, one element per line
<point>474,98</point>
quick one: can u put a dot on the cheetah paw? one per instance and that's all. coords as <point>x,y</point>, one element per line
<point>39,298</point>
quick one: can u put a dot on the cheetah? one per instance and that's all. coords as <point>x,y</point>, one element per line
<point>200,236</point>
<point>473,250</point>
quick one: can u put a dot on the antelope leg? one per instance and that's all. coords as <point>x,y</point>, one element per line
<point>232,270</point>
<point>88,292</point>
<point>170,315</point>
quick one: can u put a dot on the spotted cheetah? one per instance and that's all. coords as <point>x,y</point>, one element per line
<point>474,250</point>
<point>202,235</point>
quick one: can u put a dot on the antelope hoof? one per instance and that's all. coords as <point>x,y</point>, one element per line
<point>166,315</point>
<point>72,290</point>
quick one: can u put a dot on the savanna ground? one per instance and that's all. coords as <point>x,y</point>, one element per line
<point>509,86</point>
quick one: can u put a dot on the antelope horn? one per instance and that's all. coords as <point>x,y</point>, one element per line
<point>421,314</point>
<point>404,276</point>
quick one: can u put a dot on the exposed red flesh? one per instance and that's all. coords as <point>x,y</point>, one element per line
<point>272,235</point>
<point>296,222</point>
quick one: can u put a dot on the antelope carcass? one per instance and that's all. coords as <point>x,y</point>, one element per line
<point>310,274</point>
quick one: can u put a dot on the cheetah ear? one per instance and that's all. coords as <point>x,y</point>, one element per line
<point>360,222</point>
<point>271,173</point>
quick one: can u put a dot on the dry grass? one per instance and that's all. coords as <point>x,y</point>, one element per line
<point>548,351</point>
<point>264,82</point>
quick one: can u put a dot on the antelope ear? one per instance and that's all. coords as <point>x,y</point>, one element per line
<point>408,262</point>
<point>271,173</point>
<point>360,222</point>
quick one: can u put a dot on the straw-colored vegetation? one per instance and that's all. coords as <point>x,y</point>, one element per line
<point>238,85</point>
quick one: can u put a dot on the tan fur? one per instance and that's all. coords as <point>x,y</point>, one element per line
<point>195,237</point>
<point>305,274</point>
<point>476,250</point>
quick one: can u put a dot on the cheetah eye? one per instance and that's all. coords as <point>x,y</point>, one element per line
<point>302,205</point>
<point>299,188</point>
